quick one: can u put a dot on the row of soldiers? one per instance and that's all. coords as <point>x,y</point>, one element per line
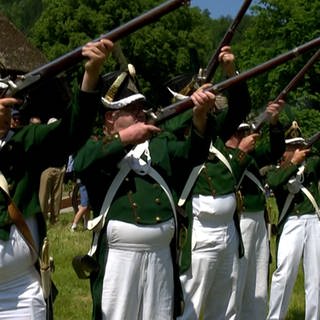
<point>169,240</point>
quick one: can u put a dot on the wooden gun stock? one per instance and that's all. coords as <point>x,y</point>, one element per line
<point>283,94</point>
<point>70,59</point>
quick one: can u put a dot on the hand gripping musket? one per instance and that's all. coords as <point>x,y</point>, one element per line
<point>178,107</point>
<point>206,75</point>
<point>265,116</point>
<point>70,59</point>
<point>214,61</point>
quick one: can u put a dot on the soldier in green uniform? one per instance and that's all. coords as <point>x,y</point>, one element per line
<point>129,176</point>
<point>24,155</point>
<point>252,287</point>
<point>211,249</point>
<point>295,184</point>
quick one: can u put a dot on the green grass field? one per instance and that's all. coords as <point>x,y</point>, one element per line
<point>74,300</point>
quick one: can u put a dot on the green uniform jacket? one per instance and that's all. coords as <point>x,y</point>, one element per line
<point>225,121</point>
<point>36,147</point>
<point>279,176</point>
<point>265,154</point>
<point>215,178</point>
<point>140,199</point>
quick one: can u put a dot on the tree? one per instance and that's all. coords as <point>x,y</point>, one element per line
<point>23,13</point>
<point>278,26</point>
<point>182,41</point>
<point>158,51</point>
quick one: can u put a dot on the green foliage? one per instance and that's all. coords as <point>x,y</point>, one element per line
<point>158,51</point>
<point>182,41</point>
<point>164,49</point>
<point>74,300</point>
<point>24,13</point>
<point>279,26</point>
<point>308,119</point>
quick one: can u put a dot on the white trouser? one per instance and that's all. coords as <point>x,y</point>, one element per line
<point>21,296</point>
<point>300,238</point>
<point>210,283</point>
<point>138,280</point>
<point>252,297</point>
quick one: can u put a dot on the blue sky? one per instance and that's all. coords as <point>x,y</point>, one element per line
<point>219,8</point>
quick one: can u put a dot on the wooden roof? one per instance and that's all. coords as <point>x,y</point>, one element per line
<point>17,54</point>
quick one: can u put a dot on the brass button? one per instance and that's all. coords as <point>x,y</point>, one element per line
<point>115,136</point>
<point>298,211</point>
<point>157,200</point>
<point>134,205</point>
<point>138,219</point>
<point>157,219</point>
<point>126,179</point>
<point>209,178</point>
<point>130,192</point>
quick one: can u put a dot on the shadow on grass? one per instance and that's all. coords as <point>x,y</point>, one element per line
<point>296,315</point>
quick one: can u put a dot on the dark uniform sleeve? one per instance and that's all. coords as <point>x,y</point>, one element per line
<point>278,177</point>
<point>36,147</point>
<point>239,106</point>
<point>239,162</point>
<point>270,151</point>
<point>64,137</point>
<point>277,142</point>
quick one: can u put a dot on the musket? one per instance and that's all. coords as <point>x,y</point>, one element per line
<point>313,139</point>
<point>214,61</point>
<point>206,75</point>
<point>283,94</point>
<point>180,106</point>
<point>72,58</point>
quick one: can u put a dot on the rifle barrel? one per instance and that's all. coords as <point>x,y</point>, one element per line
<point>256,127</point>
<point>187,103</point>
<point>266,116</point>
<point>298,76</point>
<point>270,64</point>
<point>214,61</point>
<point>73,57</point>
<point>313,139</point>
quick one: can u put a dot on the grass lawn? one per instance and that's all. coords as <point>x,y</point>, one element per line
<point>74,300</point>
